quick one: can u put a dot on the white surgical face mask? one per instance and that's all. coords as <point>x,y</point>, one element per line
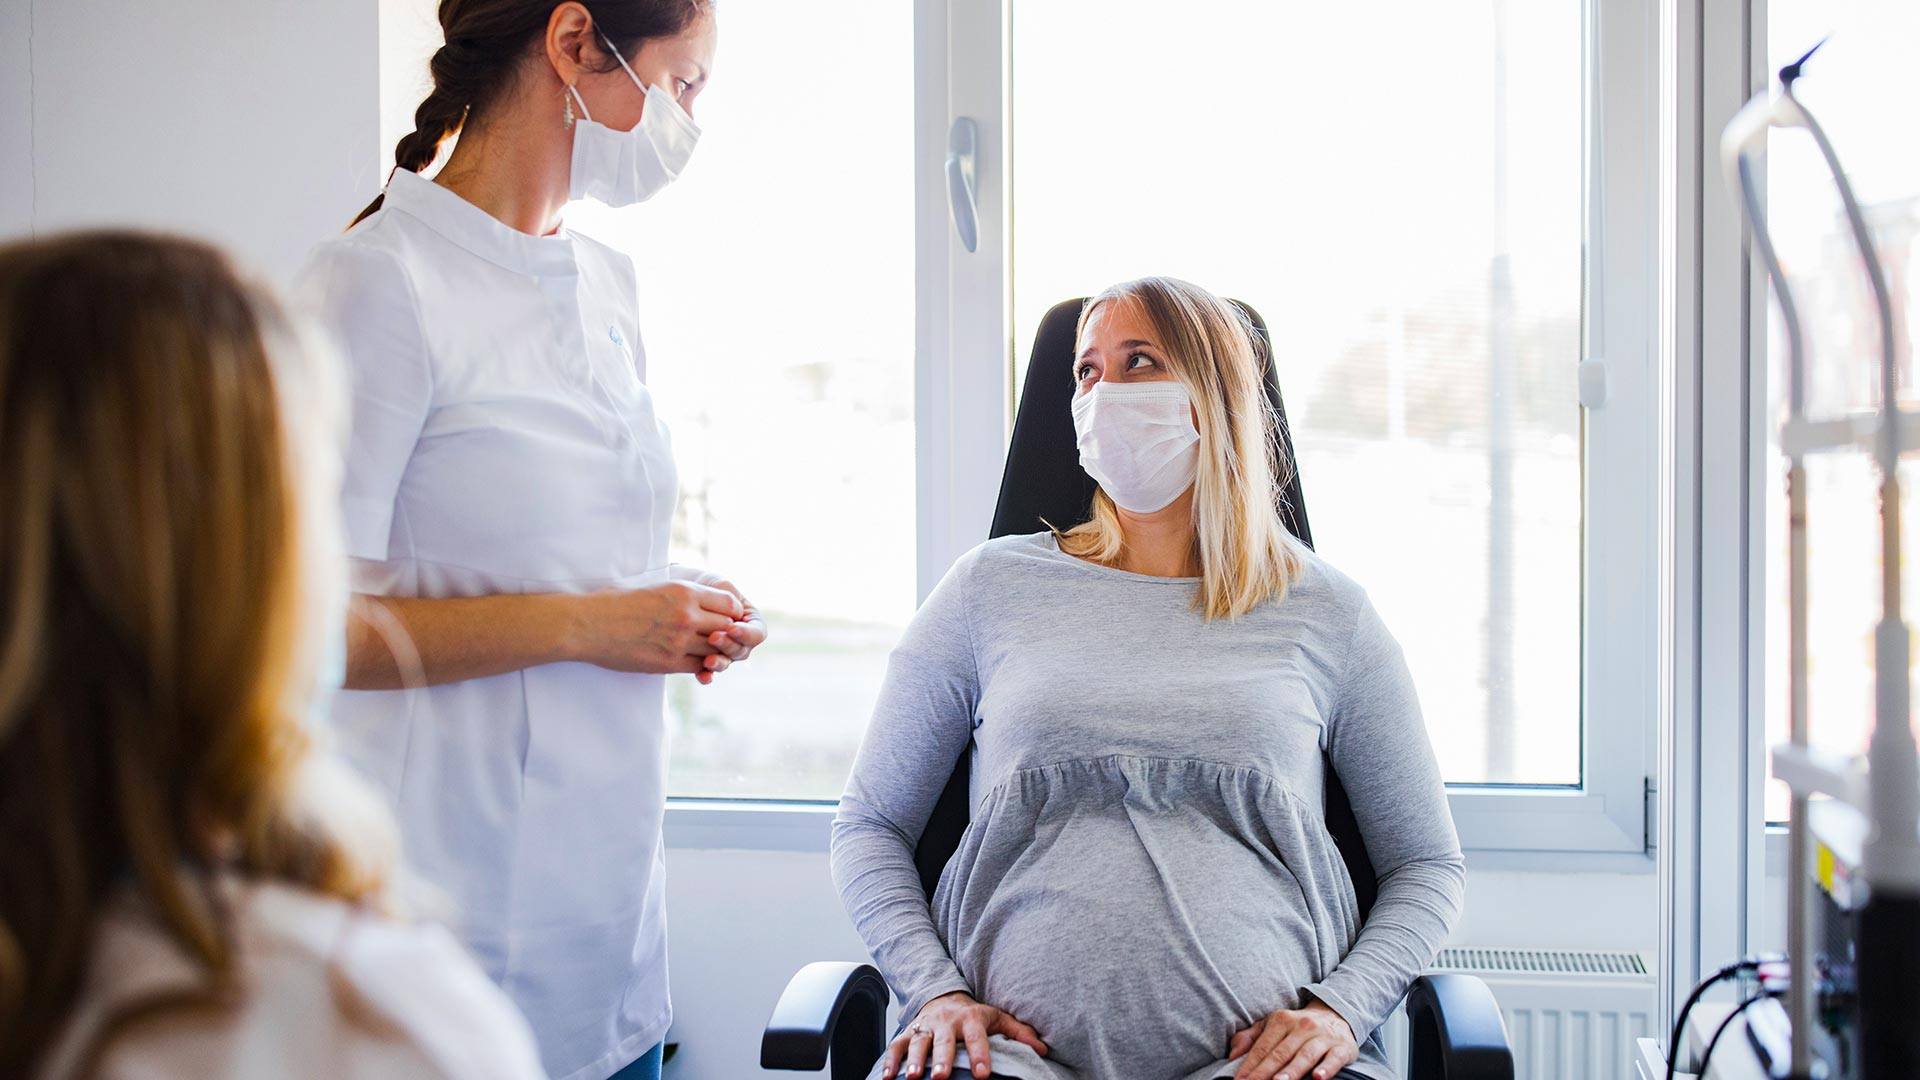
<point>1138,441</point>
<point>621,168</point>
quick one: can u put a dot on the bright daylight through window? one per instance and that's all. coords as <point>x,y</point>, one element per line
<point>776,286</point>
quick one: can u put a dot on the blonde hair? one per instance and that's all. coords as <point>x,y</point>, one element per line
<point>1245,553</point>
<point>166,556</point>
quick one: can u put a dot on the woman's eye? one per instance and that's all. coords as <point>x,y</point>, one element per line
<point>1080,373</point>
<point>1139,359</point>
<point>681,86</point>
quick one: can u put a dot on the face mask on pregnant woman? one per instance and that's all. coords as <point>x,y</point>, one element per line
<point>1138,441</point>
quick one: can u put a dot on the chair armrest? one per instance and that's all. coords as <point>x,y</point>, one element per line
<point>1455,1031</point>
<point>828,1007</point>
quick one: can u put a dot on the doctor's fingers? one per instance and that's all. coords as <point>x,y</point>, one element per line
<point>693,625</point>
<point>718,601</point>
<point>750,631</point>
<point>703,668</point>
<point>726,646</point>
<point>738,641</point>
<point>748,613</point>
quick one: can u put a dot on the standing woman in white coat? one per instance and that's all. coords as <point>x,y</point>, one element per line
<point>509,497</point>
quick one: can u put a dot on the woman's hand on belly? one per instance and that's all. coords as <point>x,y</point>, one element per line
<point>947,1022</point>
<point>1293,1043</point>
<point>660,629</point>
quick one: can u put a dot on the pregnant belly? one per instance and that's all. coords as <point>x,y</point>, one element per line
<point>1136,944</point>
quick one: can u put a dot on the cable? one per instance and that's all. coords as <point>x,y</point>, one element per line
<point>1680,1024</point>
<point>1707,1056</point>
<point>1751,963</point>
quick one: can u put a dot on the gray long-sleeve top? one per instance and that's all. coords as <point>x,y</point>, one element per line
<point>1147,870</point>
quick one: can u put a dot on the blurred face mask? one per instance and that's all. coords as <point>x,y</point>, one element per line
<point>1138,441</point>
<point>621,168</point>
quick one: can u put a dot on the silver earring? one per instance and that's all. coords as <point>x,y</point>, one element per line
<point>567,97</point>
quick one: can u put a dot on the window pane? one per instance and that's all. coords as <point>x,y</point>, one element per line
<point>1364,191</point>
<point>777,302</point>
<point>1860,87</point>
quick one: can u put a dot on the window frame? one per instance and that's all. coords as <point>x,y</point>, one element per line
<point>1713,847</point>
<point>965,359</point>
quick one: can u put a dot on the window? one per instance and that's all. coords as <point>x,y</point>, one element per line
<point>1859,89</point>
<point>1407,216</point>
<point>1437,211</point>
<point>777,303</point>
<point>1341,172</point>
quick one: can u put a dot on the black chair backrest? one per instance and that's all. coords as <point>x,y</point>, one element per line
<point>1044,484</point>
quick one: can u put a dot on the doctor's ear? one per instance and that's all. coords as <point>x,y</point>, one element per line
<point>572,43</point>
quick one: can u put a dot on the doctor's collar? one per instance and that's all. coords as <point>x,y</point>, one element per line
<point>479,232</point>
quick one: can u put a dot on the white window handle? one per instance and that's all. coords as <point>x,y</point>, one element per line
<point>1593,383</point>
<point>960,190</point>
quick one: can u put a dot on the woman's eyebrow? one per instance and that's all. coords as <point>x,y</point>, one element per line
<point>1136,343</point>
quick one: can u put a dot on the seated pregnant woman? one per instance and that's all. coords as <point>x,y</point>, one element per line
<point>1148,890</point>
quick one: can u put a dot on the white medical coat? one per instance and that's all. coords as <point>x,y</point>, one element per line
<point>504,441</point>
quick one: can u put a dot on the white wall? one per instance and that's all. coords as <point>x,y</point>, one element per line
<point>16,118</point>
<point>251,123</point>
<point>740,923</point>
<point>1771,933</point>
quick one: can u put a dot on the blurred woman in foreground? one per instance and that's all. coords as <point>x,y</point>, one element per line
<point>186,886</point>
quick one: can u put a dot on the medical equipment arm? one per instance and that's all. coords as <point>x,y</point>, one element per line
<point>1889,944</point>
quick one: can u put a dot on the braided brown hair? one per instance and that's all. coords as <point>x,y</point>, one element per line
<point>485,42</point>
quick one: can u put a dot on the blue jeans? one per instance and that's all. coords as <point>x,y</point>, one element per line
<point>644,1067</point>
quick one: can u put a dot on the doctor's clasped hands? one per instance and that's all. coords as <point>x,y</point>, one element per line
<point>698,624</point>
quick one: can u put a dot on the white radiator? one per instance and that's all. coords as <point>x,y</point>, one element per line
<point>1570,1015</point>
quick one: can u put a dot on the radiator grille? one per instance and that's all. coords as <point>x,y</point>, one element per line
<point>1570,1014</point>
<point>1540,962</point>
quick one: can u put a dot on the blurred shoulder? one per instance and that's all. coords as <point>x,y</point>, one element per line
<point>324,983</point>
<point>419,979</point>
<point>361,268</point>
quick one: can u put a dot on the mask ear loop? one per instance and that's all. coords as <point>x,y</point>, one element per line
<point>593,373</point>
<point>623,65</point>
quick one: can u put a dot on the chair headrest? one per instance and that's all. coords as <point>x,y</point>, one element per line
<point>1044,484</point>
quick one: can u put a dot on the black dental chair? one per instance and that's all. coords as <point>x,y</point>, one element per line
<point>836,1011</point>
